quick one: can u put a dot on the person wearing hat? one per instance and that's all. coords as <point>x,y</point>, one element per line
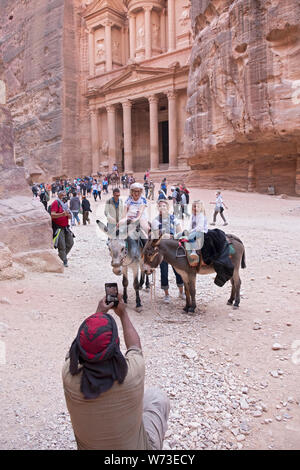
<point>104,390</point>
<point>135,211</point>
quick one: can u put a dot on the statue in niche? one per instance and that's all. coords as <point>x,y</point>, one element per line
<point>100,50</point>
<point>104,148</point>
<point>116,50</point>
<point>155,34</point>
<point>185,16</point>
<point>140,37</point>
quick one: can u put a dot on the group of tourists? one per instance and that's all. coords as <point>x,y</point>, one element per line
<point>104,389</point>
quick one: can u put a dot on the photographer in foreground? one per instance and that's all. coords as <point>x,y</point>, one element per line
<point>104,389</point>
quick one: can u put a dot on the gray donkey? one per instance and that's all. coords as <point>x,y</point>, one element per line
<point>156,251</point>
<point>126,253</point>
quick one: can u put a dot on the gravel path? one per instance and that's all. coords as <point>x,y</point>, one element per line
<point>232,376</point>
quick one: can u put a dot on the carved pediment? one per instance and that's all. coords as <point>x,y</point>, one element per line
<point>135,74</point>
<point>97,6</point>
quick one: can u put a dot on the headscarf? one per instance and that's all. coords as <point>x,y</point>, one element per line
<point>97,348</point>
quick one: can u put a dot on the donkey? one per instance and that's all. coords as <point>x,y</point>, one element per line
<point>155,251</point>
<point>126,253</point>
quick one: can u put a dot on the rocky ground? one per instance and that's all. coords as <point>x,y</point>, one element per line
<point>232,375</point>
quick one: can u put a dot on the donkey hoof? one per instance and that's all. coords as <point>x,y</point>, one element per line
<point>235,307</point>
<point>139,309</point>
<point>229,302</point>
<point>147,289</point>
<point>191,310</point>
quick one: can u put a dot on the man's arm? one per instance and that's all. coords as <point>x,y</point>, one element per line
<point>131,336</point>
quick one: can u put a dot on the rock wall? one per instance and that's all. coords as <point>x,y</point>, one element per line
<point>39,46</point>
<point>243,129</point>
<point>25,226</point>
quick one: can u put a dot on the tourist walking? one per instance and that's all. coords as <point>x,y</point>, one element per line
<point>61,214</point>
<point>146,186</point>
<point>219,208</point>
<point>75,208</point>
<point>86,209</point>
<point>95,190</point>
<point>151,190</point>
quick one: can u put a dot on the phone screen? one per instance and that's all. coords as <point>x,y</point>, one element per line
<point>111,291</point>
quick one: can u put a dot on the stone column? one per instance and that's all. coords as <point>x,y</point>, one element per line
<point>154,145</point>
<point>297,185</point>
<point>111,128</point>
<point>91,53</point>
<point>163,30</point>
<point>132,35</point>
<point>128,163</point>
<point>95,140</point>
<point>251,176</point>
<point>172,129</point>
<point>108,46</point>
<point>171,25</point>
<point>148,27</point>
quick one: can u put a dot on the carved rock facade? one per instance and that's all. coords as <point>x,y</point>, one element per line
<point>243,129</point>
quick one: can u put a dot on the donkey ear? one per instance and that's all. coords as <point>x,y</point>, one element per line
<point>102,226</point>
<point>156,242</point>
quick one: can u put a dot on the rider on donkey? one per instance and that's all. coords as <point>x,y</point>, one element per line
<point>136,212</point>
<point>195,235</point>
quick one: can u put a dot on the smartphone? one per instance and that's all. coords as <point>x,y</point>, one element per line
<point>111,291</point>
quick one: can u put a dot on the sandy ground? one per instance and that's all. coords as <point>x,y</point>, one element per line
<point>229,388</point>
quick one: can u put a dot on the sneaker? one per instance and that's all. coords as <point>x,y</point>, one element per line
<point>181,295</point>
<point>212,223</point>
<point>166,299</point>
<point>225,223</point>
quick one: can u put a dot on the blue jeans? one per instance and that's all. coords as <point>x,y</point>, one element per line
<point>75,216</point>
<point>164,280</point>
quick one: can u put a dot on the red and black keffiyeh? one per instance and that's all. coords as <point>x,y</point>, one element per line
<point>97,349</point>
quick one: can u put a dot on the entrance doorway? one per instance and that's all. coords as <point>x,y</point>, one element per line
<point>164,133</point>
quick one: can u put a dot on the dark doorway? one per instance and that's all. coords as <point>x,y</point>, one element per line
<point>165,141</point>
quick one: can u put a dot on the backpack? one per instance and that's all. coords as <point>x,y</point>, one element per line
<point>178,197</point>
<point>47,197</point>
<point>49,207</point>
<point>187,197</point>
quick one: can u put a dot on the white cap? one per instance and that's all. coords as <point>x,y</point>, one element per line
<point>136,186</point>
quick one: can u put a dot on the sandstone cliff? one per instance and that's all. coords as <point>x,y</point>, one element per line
<point>243,129</point>
<point>25,226</point>
<point>39,46</point>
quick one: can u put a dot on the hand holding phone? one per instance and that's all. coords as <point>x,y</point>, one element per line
<point>111,291</point>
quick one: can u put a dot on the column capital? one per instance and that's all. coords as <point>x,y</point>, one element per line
<point>110,108</point>
<point>127,104</point>
<point>153,99</point>
<point>107,23</point>
<point>147,7</point>
<point>171,94</point>
<point>131,15</point>
<point>93,110</point>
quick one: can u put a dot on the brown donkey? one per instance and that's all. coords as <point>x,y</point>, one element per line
<point>155,251</point>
